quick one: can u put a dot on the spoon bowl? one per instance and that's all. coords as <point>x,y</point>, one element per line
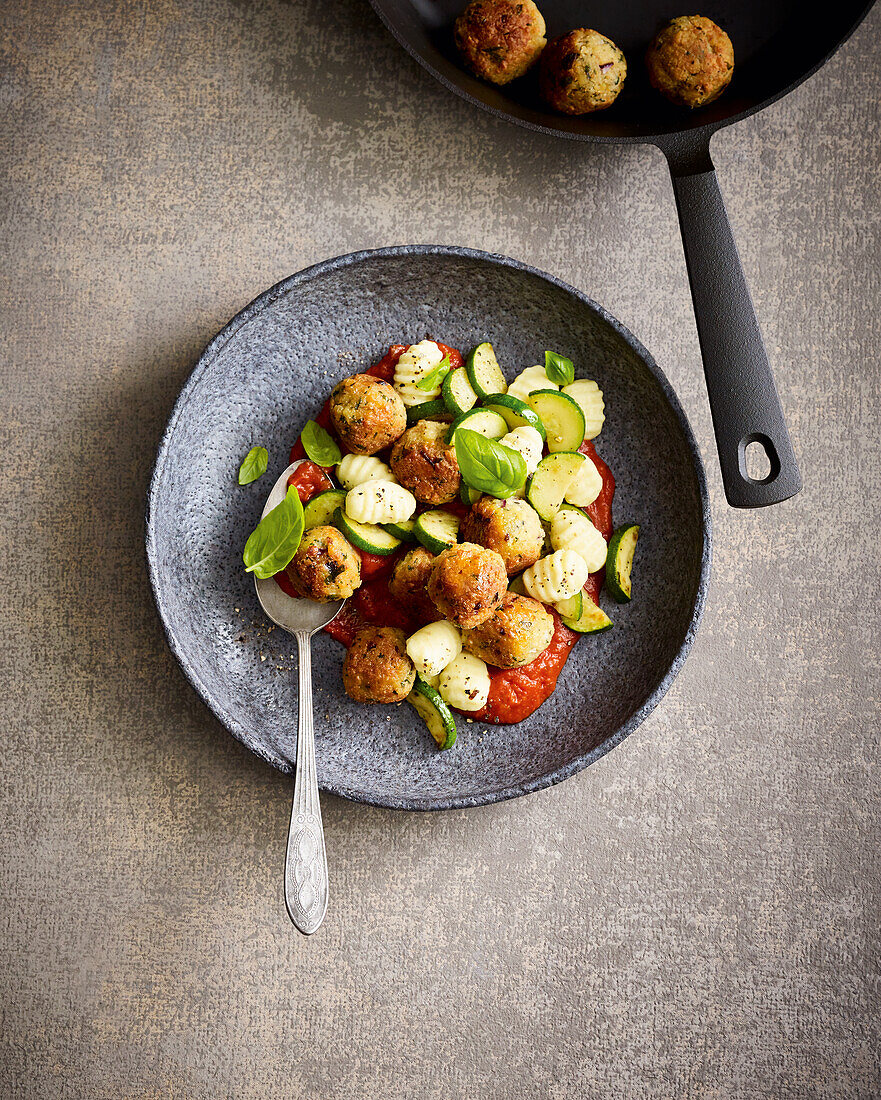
<point>305,879</point>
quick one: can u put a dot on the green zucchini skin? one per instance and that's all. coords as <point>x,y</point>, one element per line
<point>458,394</point>
<point>516,413</point>
<point>428,410</point>
<point>437,530</point>
<point>619,562</point>
<point>320,509</point>
<point>366,536</point>
<point>437,716</point>
<point>592,620</point>
<point>484,372</point>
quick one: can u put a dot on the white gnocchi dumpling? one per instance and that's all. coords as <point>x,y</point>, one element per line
<point>464,683</point>
<point>417,361</point>
<point>530,380</point>
<point>573,532</point>
<point>586,486</point>
<point>590,397</point>
<point>356,469</point>
<point>433,647</point>
<point>380,502</point>
<point>527,442</point>
<point>556,577</point>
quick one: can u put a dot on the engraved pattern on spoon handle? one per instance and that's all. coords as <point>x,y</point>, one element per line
<point>305,880</point>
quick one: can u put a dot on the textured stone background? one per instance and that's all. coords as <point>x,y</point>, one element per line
<point>696,916</point>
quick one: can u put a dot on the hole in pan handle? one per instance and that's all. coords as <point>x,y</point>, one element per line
<point>743,397</point>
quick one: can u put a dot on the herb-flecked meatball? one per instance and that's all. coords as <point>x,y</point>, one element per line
<point>376,668</point>
<point>367,413</point>
<point>467,584</point>
<point>581,71</point>
<point>326,566</point>
<point>409,581</point>
<point>510,527</point>
<point>425,463</point>
<point>513,635</point>
<point>691,61</point>
<point>500,39</point>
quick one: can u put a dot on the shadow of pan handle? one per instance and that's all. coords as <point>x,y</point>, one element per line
<point>743,398</point>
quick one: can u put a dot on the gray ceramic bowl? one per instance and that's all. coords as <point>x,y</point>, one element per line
<point>269,371</point>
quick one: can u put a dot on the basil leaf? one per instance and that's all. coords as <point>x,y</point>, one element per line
<point>253,465</point>
<point>275,539</point>
<point>559,369</point>
<point>434,377</point>
<point>488,466</point>
<point>319,445</point>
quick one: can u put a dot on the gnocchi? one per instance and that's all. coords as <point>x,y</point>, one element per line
<point>530,380</point>
<point>586,486</point>
<point>379,502</point>
<point>556,577</point>
<point>433,647</point>
<point>573,532</point>
<point>356,469</point>
<point>465,683</point>
<point>527,442</point>
<point>417,361</point>
<point>590,397</point>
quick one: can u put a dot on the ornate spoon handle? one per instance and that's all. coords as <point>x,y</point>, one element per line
<point>305,873</point>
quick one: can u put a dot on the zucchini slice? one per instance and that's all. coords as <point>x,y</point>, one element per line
<point>366,536</point>
<point>468,495</point>
<point>485,421</point>
<point>590,397</point>
<point>320,509</point>
<point>549,483</point>
<point>457,392</point>
<point>484,372</point>
<point>516,585</point>
<point>619,562</point>
<point>592,620</point>
<point>403,530</point>
<point>516,412</point>
<point>437,530</point>
<point>427,410</point>
<point>434,712</point>
<point>562,418</point>
<point>570,608</point>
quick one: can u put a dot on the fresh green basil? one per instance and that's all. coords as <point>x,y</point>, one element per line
<point>488,466</point>
<point>434,377</point>
<point>559,369</point>
<point>253,465</point>
<point>275,539</point>
<point>319,445</point>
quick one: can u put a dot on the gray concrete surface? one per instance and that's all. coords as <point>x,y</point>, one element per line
<point>697,915</point>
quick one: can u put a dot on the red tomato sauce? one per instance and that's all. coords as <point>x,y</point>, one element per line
<point>514,693</point>
<point>309,480</point>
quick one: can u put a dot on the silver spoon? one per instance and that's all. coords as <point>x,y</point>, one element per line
<point>305,869</point>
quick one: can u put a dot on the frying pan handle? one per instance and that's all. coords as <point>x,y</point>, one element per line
<point>743,397</point>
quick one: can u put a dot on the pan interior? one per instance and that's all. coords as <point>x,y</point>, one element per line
<point>270,371</point>
<point>776,44</point>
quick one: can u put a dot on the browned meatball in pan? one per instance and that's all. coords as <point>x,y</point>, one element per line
<point>500,39</point>
<point>467,584</point>
<point>367,413</point>
<point>691,61</point>
<point>581,71</point>
<point>326,566</point>
<point>376,668</point>
<point>425,463</point>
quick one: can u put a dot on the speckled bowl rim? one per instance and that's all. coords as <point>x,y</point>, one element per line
<point>328,266</point>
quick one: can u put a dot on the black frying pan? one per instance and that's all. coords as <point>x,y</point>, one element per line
<point>777,45</point>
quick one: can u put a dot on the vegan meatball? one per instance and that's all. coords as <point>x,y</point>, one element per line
<point>467,584</point>
<point>367,413</point>
<point>513,635</point>
<point>376,668</point>
<point>691,61</point>
<point>425,463</point>
<point>510,527</point>
<point>500,39</point>
<point>581,71</point>
<point>409,580</point>
<point>325,567</point>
